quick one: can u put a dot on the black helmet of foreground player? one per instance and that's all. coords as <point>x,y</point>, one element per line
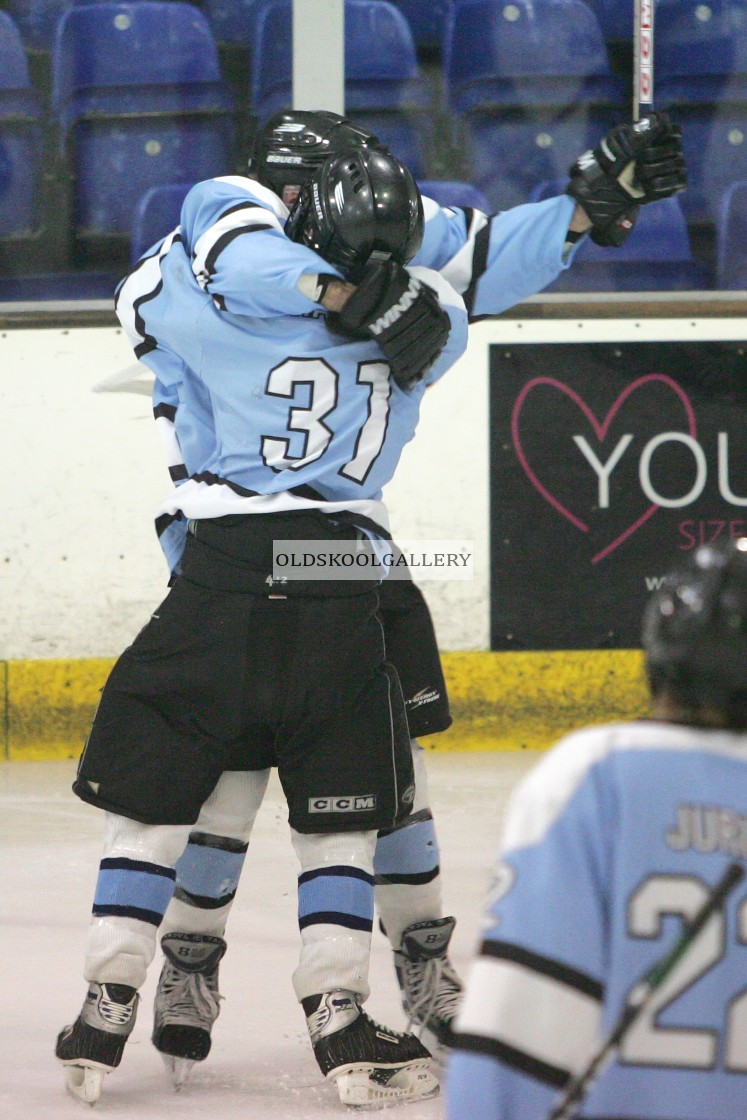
<point>357,206</point>
<point>363,214</point>
<point>292,145</point>
<point>695,633</point>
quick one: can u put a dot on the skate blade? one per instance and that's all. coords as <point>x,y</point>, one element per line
<point>85,1082</point>
<point>358,1089</point>
<point>178,1069</point>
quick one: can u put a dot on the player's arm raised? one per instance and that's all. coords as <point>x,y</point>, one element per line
<point>633,165</point>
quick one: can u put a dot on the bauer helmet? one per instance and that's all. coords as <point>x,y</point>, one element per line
<point>359,206</point>
<point>695,628</point>
<point>292,145</point>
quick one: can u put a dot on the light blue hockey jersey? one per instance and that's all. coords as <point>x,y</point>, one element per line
<point>494,261</point>
<point>610,844</point>
<point>271,409</point>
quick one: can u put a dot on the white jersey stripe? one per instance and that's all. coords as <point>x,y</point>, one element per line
<point>142,284</point>
<point>196,499</point>
<point>459,270</point>
<point>237,220</point>
<point>529,1012</point>
<point>544,794</point>
<point>167,433</point>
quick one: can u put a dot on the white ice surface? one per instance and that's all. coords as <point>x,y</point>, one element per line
<point>261,1066</point>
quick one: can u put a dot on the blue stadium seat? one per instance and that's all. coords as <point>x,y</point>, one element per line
<point>615,19</point>
<point>139,100</point>
<point>426,19</point>
<point>701,80</point>
<point>233,21</point>
<point>384,89</point>
<point>450,192</point>
<point>731,238</point>
<point>37,20</point>
<point>156,214</point>
<point>531,87</point>
<point>20,137</point>
<point>657,256</point>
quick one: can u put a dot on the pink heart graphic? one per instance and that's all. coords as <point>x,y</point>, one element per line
<point>600,430</point>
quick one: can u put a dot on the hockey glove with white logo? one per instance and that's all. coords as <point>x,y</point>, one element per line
<point>634,164</point>
<point>400,313</point>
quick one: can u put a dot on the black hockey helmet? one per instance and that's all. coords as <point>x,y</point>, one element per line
<point>695,628</point>
<point>292,145</point>
<point>360,205</point>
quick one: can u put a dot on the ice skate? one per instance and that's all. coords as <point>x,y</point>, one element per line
<point>187,1001</point>
<point>93,1045</point>
<point>372,1066</point>
<point>431,989</point>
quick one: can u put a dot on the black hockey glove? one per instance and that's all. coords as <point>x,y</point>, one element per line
<point>400,313</point>
<point>634,164</point>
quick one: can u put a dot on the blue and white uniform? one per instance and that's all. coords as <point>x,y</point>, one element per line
<point>496,261</point>
<point>610,844</point>
<point>270,410</point>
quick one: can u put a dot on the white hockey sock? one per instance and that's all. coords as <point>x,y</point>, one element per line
<point>208,872</point>
<point>335,907</point>
<point>135,883</point>
<point>407,864</point>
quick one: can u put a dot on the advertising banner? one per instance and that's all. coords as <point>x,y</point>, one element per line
<point>608,461</point>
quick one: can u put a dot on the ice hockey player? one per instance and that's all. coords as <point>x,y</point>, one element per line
<point>495,261</point>
<point>610,844</point>
<point>294,422</point>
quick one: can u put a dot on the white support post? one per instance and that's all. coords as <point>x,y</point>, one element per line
<point>319,55</point>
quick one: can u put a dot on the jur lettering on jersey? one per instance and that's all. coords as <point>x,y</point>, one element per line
<point>709,828</point>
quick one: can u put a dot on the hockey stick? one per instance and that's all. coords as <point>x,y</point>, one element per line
<point>643,56</point>
<point>640,996</point>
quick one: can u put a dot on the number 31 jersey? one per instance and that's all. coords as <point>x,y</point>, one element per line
<point>611,843</point>
<point>271,408</point>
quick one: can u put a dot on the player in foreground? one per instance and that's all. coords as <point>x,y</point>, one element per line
<point>495,261</point>
<point>612,844</point>
<point>294,422</point>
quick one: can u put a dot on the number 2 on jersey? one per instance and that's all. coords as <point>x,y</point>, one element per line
<point>648,1042</point>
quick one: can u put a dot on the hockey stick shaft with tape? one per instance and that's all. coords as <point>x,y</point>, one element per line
<point>643,56</point>
<point>640,996</point>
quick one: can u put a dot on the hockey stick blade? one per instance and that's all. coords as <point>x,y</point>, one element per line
<point>577,1088</point>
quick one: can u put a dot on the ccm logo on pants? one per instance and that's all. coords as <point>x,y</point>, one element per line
<point>360,804</point>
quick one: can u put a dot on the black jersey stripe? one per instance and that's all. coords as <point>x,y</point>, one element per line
<point>479,265</point>
<point>225,239</point>
<point>138,267</point>
<point>166,519</point>
<point>545,966</point>
<point>236,208</point>
<point>469,217</point>
<point>149,342</point>
<point>165,411</point>
<point>541,1071</point>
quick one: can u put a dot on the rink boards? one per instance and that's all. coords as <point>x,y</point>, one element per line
<point>499,701</point>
